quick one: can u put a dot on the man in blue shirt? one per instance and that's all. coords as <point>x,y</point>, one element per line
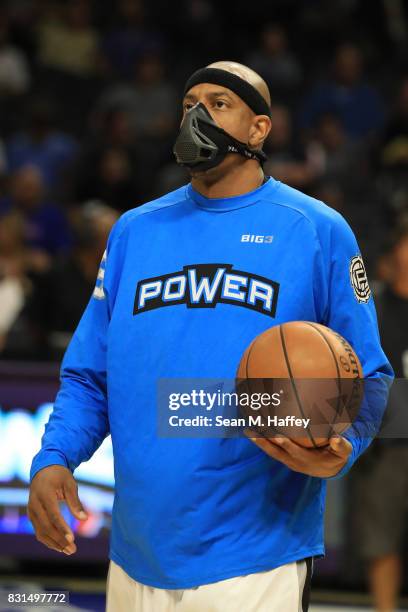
<point>205,524</point>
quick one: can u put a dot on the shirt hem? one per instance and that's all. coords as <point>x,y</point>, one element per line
<point>210,578</point>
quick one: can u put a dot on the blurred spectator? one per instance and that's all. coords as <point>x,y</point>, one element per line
<point>380,479</point>
<point>149,99</point>
<point>45,227</point>
<point>23,18</point>
<point>329,156</point>
<point>129,39</point>
<point>347,95</point>
<point>274,60</point>
<point>362,211</point>
<point>199,20</point>
<point>396,19</point>
<point>194,20</point>
<point>110,167</point>
<point>66,39</point>
<point>393,154</point>
<point>14,68</point>
<point>394,145</point>
<point>3,161</point>
<point>113,129</point>
<point>343,180</point>
<point>331,194</point>
<point>13,279</point>
<point>41,145</point>
<point>286,158</point>
<point>111,177</point>
<point>61,294</point>
<point>336,158</point>
<point>150,103</point>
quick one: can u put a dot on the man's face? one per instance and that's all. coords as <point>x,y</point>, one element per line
<point>227,110</point>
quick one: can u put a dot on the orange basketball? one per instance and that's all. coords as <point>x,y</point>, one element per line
<point>315,374</point>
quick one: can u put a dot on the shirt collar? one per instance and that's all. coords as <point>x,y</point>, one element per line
<point>226,204</point>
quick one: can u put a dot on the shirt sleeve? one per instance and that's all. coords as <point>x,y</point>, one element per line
<point>79,421</point>
<point>350,311</point>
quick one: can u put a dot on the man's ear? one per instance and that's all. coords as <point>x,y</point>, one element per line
<point>259,130</point>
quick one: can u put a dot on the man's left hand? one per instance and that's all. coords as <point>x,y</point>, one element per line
<point>320,462</point>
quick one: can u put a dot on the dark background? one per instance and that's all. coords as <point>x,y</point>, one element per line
<point>90,103</point>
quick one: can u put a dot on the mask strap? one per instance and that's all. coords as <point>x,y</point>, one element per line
<point>242,149</point>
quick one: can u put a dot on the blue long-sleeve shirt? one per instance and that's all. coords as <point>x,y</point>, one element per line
<point>193,511</point>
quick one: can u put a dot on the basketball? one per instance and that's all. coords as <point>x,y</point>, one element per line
<point>315,374</point>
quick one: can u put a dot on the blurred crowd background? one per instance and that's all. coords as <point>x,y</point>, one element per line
<point>90,106</point>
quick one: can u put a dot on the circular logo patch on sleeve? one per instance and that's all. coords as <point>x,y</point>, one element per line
<point>358,279</point>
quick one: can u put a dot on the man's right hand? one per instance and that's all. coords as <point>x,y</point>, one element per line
<point>48,487</point>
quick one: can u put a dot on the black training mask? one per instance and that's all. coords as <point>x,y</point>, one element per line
<point>202,144</point>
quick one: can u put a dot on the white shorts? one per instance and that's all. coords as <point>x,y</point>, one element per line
<point>284,589</point>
